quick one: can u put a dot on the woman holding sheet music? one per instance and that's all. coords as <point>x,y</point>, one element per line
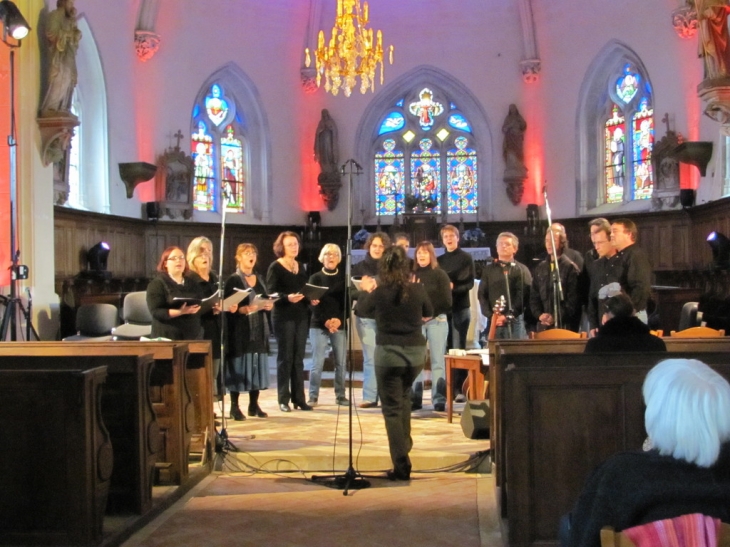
<point>286,276</point>
<point>328,323</point>
<point>200,262</point>
<point>247,345</point>
<point>173,281</point>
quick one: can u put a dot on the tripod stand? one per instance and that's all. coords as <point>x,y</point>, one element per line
<point>352,479</point>
<point>13,304</point>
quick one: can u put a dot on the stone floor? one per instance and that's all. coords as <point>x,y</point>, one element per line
<point>262,492</point>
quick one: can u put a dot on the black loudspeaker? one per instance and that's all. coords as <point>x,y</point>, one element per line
<point>687,197</point>
<point>153,210</point>
<point>475,419</point>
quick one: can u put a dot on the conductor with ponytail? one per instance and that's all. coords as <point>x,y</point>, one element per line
<point>399,308</point>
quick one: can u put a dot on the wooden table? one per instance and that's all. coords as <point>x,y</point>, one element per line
<point>471,363</point>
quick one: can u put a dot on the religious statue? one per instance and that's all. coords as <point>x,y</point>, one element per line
<point>713,37</point>
<point>63,38</point>
<point>513,151</point>
<point>326,154</point>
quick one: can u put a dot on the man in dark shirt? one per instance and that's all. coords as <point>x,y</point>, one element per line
<point>542,294</point>
<point>494,284</point>
<point>602,272</point>
<point>459,266</point>
<point>636,271</point>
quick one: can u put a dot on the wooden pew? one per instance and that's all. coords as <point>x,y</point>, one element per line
<point>567,413</point>
<point>180,389</point>
<point>536,347</point>
<point>127,413</point>
<point>56,458</point>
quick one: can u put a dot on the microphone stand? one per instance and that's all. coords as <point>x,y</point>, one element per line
<point>223,443</point>
<point>558,295</point>
<point>510,311</point>
<point>352,479</point>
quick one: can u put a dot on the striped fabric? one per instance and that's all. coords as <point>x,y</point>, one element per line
<point>693,530</point>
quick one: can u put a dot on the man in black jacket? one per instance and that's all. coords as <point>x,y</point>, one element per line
<point>511,279</point>
<point>636,271</point>
<point>542,295</point>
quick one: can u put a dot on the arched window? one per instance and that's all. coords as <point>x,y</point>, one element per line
<point>616,121</point>
<point>73,160</point>
<point>629,176</point>
<point>230,147</point>
<point>219,152</point>
<point>425,156</point>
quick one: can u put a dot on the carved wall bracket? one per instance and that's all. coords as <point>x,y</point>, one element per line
<point>716,93</point>
<point>530,70</point>
<point>56,133</point>
<point>515,188</point>
<point>684,21</point>
<point>309,79</point>
<point>146,44</point>
<point>135,173</point>
<point>329,189</point>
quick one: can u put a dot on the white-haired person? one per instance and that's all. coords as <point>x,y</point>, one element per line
<point>684,468</point>
<point>328,323</point>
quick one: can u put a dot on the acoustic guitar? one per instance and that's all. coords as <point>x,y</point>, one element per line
<point>497,310</point>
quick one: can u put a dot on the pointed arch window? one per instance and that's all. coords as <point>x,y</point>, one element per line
<point>220,151</point>
<point>628,139</point>
<point>425,156</point>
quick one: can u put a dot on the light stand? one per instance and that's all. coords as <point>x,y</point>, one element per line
<point>555,270</point>
<point>351,479</point>
<point>14,23</point>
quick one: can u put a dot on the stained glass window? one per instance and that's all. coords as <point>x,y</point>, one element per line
<point>202,153</point>
<point>425,157</point>
<point>392,122</point>
<point>627,85</point>
<point>219,152</point>
<point>462,178</point>
<point>426,108</point>
<point>426,177</point>
<point>389,180</point>
<point>628,138</point>
<point>615,157</point>
<point>643,144</point>
<point>216,105</point>
<point>232,172</point>
<point>458,121</point>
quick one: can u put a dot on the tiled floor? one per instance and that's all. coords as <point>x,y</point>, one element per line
<point>262,494</point>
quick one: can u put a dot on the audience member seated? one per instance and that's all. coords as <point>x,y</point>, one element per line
<point>621,330</point>
<point>685,465</point>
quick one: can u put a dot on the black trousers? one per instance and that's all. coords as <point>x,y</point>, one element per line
<point>291,338</point>
<point>396,367</point>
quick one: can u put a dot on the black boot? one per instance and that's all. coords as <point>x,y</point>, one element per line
<point>253,405</point>
<point>236,413</point>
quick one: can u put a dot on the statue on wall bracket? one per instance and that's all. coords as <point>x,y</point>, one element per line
<point>174,182</point>
<point>55,120</point>
<point>327,155</point>
<point>513,152</point>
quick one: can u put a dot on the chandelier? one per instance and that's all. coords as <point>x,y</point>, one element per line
<point>351,51</point>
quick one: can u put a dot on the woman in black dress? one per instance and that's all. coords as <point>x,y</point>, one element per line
<point>173,281</point>
<point>286,276</point>
<point>247,345</point>
<point>400,309</point>
<point>200,262</point>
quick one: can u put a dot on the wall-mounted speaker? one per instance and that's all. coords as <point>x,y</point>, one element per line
<point>475,419</point>
<point>687,197</point>
<point>152,210</point>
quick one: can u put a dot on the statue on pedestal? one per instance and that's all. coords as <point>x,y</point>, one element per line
<point>713,37</point>
<point>326,154</point>
<point>513,152</point>
<point>63,37</point>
